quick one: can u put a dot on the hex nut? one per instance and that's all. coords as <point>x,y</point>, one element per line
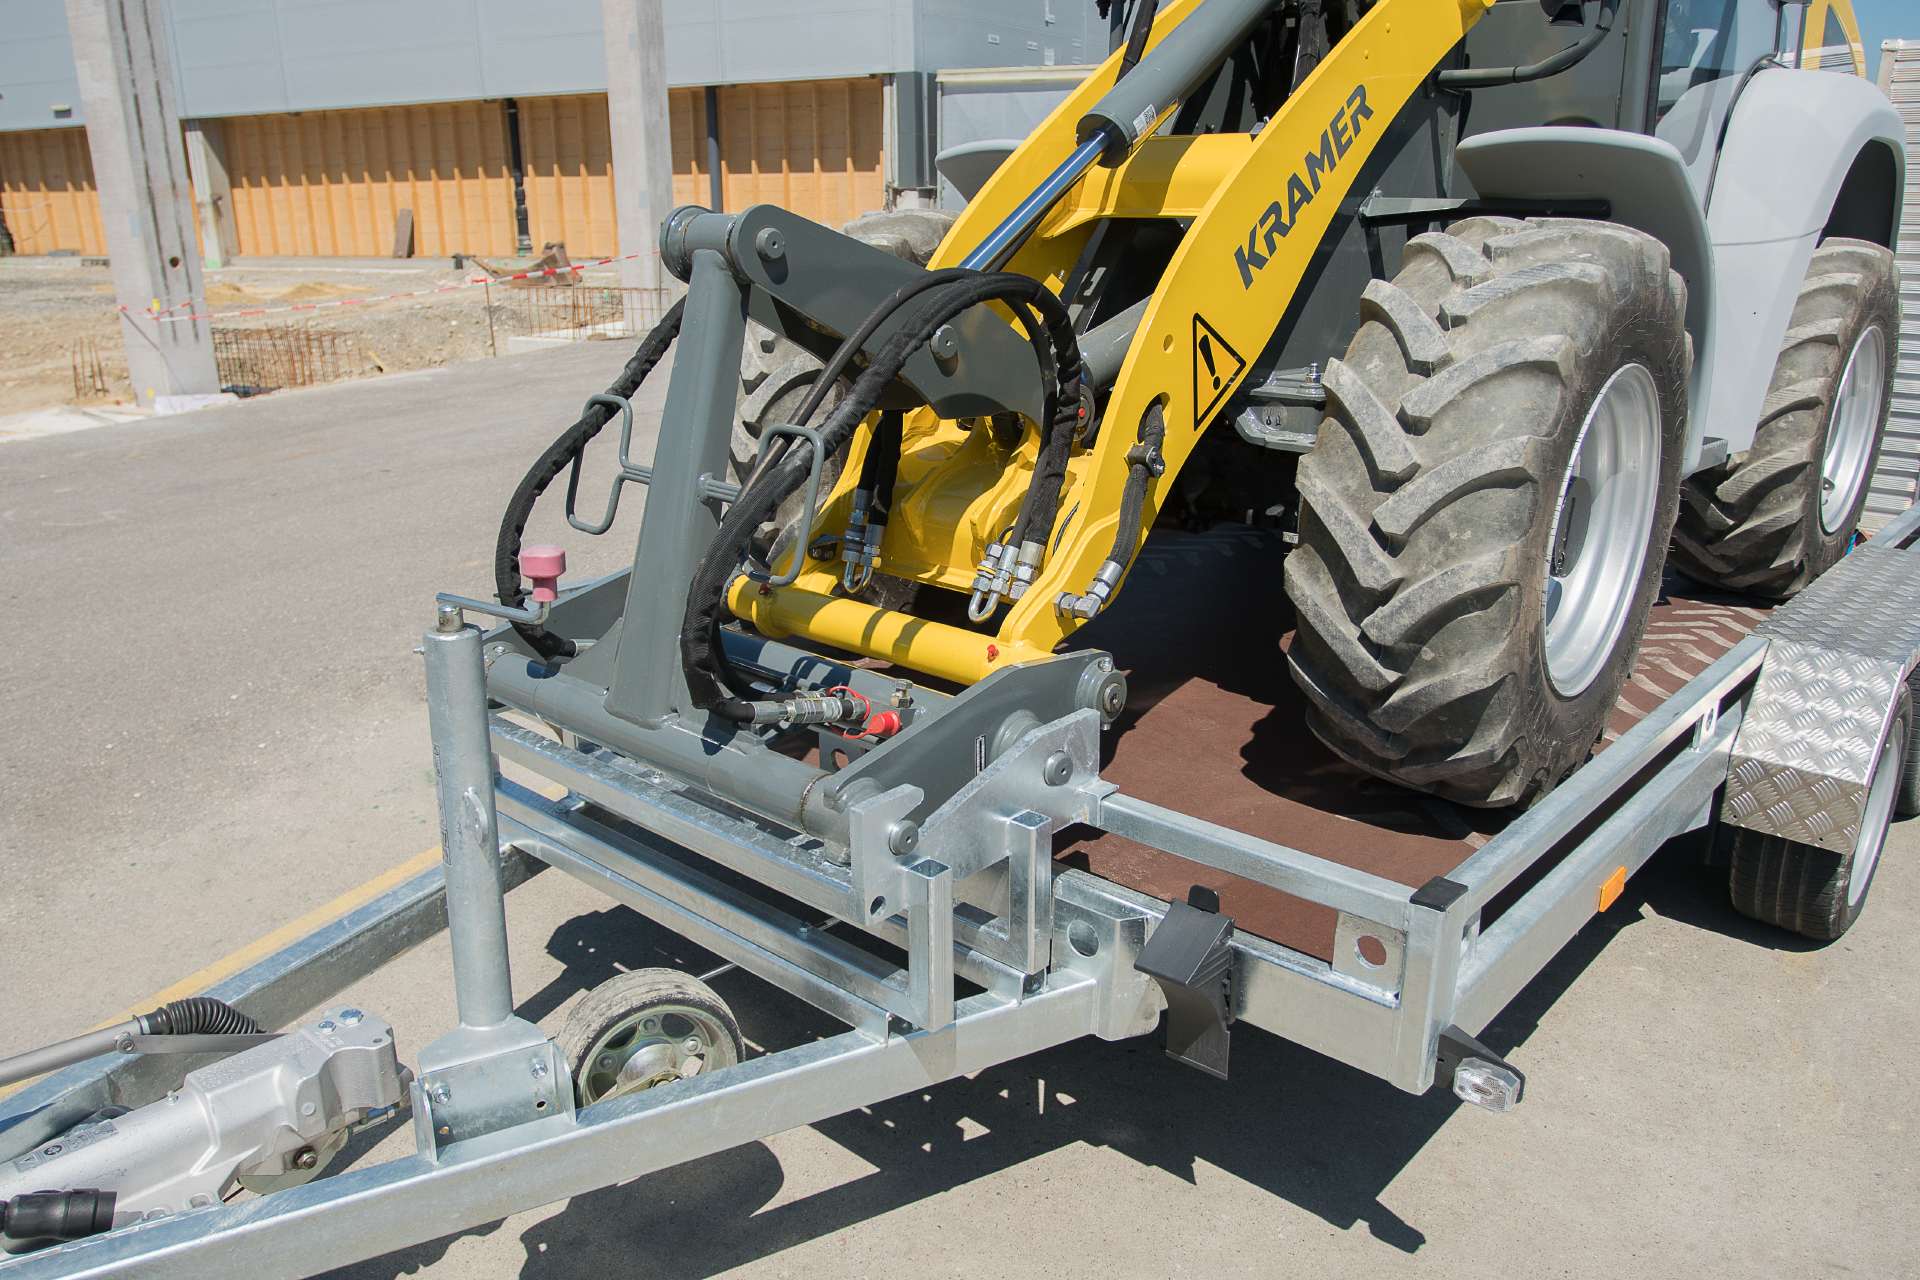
<point>305,1158</point>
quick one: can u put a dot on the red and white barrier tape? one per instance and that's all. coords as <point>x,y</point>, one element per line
<point>160,314</point>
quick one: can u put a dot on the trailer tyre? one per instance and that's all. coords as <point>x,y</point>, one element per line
<point>1773,517</point>
<point>647,1028</point>
<point>1813,891</point>
<point>1484,513</point>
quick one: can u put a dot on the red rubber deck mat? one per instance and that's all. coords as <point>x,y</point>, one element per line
<point>1215,728</point>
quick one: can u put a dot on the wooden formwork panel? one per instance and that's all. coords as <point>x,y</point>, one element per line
<point>816,147</point>
<point>566,154</point>
<point>47,191</point>
<point>332,183</point>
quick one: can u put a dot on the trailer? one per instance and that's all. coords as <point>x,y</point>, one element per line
<point>1083,811</point>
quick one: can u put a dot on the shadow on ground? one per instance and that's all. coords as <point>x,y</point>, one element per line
<point>1301,1127</point>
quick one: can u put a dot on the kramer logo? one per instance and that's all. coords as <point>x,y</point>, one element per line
<point>1335,141</point>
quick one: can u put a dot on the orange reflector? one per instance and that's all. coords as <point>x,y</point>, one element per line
<point>1611,889</point>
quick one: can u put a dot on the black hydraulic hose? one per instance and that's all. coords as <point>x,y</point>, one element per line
<point>1140,473</point>
<point>558,457</point>
<point>1572,55</point>
<point>1143,13</point>
<point>702,656</point>
<point>843,356</point>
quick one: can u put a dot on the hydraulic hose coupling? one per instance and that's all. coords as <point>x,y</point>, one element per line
<point>1084,607</point>
<point>861,546</point>
<point>834,707</point>
<point>990,582</point>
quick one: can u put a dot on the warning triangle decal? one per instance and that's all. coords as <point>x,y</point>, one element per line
<point>1215,366</point>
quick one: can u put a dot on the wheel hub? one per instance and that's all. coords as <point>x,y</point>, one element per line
<point>649,1048</point>
<point>1850,431</point>
<point>1601,525</point>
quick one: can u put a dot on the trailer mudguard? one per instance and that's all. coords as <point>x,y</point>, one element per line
<point>1793,139</point>
<point>1645,180</point>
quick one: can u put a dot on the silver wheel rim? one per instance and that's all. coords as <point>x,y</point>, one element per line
<point>653,1046</point>
<point>1600,529</point>
<point>1856,415</point>
<point>1873,823</point>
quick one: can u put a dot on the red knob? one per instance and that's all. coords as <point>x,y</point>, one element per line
<point>544,565</point>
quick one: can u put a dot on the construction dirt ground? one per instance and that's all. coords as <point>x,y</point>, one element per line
<point>201,748</point>
<point>56,314</point>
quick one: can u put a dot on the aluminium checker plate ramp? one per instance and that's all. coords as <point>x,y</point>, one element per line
<point>1804,758</point>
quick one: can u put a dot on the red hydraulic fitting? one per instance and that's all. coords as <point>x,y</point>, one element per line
<point>884,724</point>
<point>544,564</point>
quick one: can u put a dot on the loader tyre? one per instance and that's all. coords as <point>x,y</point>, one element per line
<point>1773,517</point>
<point>1817,892</point>
<point>1484,513</point>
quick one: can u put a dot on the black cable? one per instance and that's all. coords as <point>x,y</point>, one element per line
<point>703,657</point>
<point>558,457</point>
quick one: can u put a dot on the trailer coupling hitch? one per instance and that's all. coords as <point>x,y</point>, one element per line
<point>265,1119</point>
<point>1191,956</point>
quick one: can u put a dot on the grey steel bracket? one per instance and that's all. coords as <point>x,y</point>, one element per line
<point>630,471</point>
<point>942,753</point>
<point>1190,955</point>
<point>1837,656</point>
<point>514,1078</point>
<point>815,286</point>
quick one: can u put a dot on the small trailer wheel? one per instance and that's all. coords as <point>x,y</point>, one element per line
<point>647,1028</point>
<point>1813,891</point>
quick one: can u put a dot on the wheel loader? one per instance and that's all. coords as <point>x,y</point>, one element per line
<point>1353,484</point>
<point>1481,307</point>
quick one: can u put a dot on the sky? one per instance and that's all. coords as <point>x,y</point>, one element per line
<point>1885,20</point>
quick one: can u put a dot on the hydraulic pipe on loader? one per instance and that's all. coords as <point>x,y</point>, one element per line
<point>1129,111</point>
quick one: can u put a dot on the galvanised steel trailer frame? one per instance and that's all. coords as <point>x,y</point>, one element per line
<point>1057,965</point>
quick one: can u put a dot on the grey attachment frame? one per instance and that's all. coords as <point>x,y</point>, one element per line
<point>629,469</point>
<point>814,468</point>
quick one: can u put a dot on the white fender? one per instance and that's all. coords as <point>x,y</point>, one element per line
<point>1792,139</point>
<point>1645,181</point>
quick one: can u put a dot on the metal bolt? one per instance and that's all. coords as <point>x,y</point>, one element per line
<point>1104,664</point>
<point>770,245</point>
<point>326,1024</point>
<point>447,620</point>
<point>351,1017</point>
<point>1113,698</point>
<point>305,1158</point>
<point>946,343</point>
<point>1058,769</point>
<point>539,1068</point>
<point>690,1045</point>
<point>200,1201</point>
<point>441,1094</point>
<point>606,1062</point>
<point>903,837</point>
<point>306,1108</point>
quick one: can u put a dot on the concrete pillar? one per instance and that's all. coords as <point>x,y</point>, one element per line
<point>212,194</point>
<point>636,44</point>
<point>146,196</point>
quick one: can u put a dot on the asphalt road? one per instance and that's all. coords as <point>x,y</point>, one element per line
<point>211,722</point>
